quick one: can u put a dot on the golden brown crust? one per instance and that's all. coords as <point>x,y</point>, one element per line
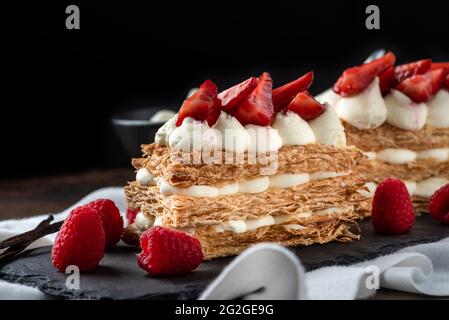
<point>388,136</point>
<point>341,228</point>
<point>290,159</point>
<point>377,171</point>
<point>182,211</point>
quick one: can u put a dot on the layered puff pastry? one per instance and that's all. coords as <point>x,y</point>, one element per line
<point>291,180</point>
<point>399,118</point>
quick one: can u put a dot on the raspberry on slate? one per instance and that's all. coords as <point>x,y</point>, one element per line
<point>439,205</point>
<point>80,241</point>
<point>392,208</point>
<point>168,252</point>
<point>111,218</point>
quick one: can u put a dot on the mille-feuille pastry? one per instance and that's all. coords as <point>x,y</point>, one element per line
<point>399,117</point>
<point>250,165</point>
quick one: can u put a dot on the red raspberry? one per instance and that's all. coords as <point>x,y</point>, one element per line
<point>168,252</point>
<point>80,241</point>
<point>131,215</point>
<point>439,205</point>
<point>392,211</point>
<point>111,218</point>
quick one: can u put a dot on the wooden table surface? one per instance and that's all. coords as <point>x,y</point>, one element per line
<point>27,197</point>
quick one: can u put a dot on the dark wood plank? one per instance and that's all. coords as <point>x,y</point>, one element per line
<point>40,195</point>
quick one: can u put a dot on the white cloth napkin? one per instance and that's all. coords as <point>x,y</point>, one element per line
<point>269,271</point>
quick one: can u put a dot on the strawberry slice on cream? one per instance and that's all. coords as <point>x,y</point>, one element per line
<point>257,108</point>
<point>233,96</point>
<point>203,105</point>
<point>282,96</point>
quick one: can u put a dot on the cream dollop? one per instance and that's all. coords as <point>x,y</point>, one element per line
<point>167,189</point>
<point>292,129</point>
<point>365,110</point>
<point>288,180</point>
<point>163,133</point>
<point>438,115</point>
<point>263,139</point>
<point>439,154</point>
<point>328,96</point>
<point>143,222</point>
<point>396,156</point>
<point>427,188</point>
<point>328,128</point>
<point>194,135</point>
<point>255,185</point>
<point>403,113</point>
<point>144,177</point>
<point>234,136</point>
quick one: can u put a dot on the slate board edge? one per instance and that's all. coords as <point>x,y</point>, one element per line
<point>57,289</point>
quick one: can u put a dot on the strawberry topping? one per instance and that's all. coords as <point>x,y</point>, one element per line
<point>356,79</point>
<point>421,88</point>
<point>392,76</point>
<point>408,70</point>
<point>234,95</point>
<point>446,83</point>
<point>257,107</point>
<point>202,105</point>
<point>439,65</point>
<point>283,95</point>
<point>387,80</point>
<point>306,106</point>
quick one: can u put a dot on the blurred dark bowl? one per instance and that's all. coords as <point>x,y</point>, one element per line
<point>134,128</point>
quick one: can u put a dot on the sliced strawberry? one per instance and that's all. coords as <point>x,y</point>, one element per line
<point>387,80</point>
<point>234,95</point>
<point>394,75</point>
<point>306,106</point>
<point>356,79</point>
<point>446,83</point>
<point>408,70</point>
<point>439,65</point>
<point>283,95</point>
<point>422,87</point>
<point>202,105</point>
<point>257,107</point>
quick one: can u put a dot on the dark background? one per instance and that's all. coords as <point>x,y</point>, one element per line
<point>60,86</point>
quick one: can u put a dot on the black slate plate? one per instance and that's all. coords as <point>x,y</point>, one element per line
<point>119,277</point>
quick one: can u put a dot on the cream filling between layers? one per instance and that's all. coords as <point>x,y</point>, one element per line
<point>425,188</point>
<point>402,156</point>
<point>289,221</point>
<point>256,185</point>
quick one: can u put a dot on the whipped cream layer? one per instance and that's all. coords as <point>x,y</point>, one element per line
<point>289,221</point>
<point>368,109</point>
<point>425,188</point>
<point>403,113</point>
<point>256,185</point>
<point>403,156</point>
<point>229,134</point>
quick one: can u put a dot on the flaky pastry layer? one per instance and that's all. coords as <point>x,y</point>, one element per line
<point>377,171</point>
<point>388,136</point>
<point>341,228</point>
<point>162,162</point>
<point>182,211</point>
